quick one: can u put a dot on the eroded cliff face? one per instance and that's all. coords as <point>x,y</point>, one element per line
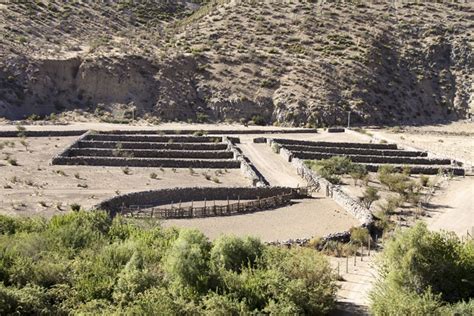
<point>294,64</point>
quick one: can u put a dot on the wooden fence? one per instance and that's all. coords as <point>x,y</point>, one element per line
<point>178,211</point>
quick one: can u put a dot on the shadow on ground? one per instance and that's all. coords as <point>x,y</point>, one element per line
<point>346,308</point>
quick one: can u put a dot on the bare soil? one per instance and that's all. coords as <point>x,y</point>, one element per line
<point>307,217</point>
<point>34,187</point>
<point>454,140</point>
<point>452,208</point>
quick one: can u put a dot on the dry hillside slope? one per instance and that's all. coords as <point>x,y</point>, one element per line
<point>293,63</point>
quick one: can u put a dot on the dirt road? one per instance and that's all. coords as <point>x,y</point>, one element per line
<point>452,207</point>
<point>273,167</point>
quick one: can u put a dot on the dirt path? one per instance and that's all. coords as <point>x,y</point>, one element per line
<point>273,167</point>
<point>452,208</point>
<point>353,295</point>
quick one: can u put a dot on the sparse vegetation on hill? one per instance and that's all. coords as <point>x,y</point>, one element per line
<point>85,262</point>
<point>299,63</point>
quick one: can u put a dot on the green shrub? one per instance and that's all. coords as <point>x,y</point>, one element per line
<point>187,262</point>
<point>202,118</point>
<point>276,148</point>
<point>358,172</point>
<point>232,253</point>
<point>259,120</point>
<point>424,180</point>
<point>359,235</point>
<point>332,168</point>
<point>421,271</point>
<point>369,196</point>
<point>86,263</point>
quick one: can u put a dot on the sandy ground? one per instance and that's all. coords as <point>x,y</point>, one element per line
<point>272,166</point>
<point>307,217</point>
<point>36,187</point>
<point>452,207</point>
<point>353,294</point>
<point>461,127</point>
<point>453,146</point>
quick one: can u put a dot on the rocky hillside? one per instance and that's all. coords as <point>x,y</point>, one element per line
<point>292,63</point>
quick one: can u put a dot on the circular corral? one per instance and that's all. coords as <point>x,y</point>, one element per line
<point>260,198</point>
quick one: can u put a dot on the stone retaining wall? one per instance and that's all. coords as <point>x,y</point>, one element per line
<point>216,132</point>
<point>247,168</point>
<point>152,145</point>
<point>332,144</point>
<point>286,154</point>
<point>351,205</point>
<point>375,159</point>
<point>430,170</point>
<point>154,138</point>
<point>357,151</point>
<point>175,195</point>
<point>65,133</point>
<point>74,144</point>
<point>336,130</point>
<point>146,162</point>
<point>54,133</point>
<point>149,153</point>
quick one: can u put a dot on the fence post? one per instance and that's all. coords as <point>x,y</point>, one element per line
<point>205,210</point>
<point>347,264</point>
<point>355,258</point>
<point>228,209</point>
<point>238,204</point>
<point>338,273</point>
<point>369,243</point>
<point>361,252</point>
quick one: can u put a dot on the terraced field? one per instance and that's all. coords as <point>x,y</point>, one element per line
<point>141,150</point>
<point>372,155</point>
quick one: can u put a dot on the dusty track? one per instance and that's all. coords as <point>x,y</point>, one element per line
<point>453,207</point>
<point>273,167</point>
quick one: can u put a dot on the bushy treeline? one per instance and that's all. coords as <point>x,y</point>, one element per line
<point>88,263</point>
<point>425,273</point>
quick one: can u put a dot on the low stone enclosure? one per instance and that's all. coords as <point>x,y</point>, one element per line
<point>369,154</point>
<point>136,150</point>
<point>150,204</point>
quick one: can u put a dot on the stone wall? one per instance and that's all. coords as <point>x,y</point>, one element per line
<point>375,159</point>
<point>74,144</point>
<point>65,133</point>
<point>351,205</point>
<point>176,195</point>
<point>149,153</point>
<point>151,145</point>
<point>55,133</point>
<point>247,168</point>
<point>154,138</point>
<point>286,154</point>
<point>430,170</point>
<point>147,162</point>
<point>216,132</point>
<point>336,130</point>
<point>332,144</point>
<point>357,151</point>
